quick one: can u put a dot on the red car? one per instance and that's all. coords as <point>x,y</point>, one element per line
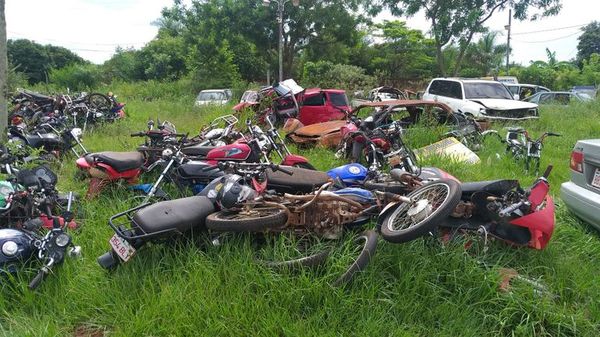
<point>310,106</point>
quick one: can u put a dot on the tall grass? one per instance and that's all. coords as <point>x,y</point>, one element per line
<point>192,288</point>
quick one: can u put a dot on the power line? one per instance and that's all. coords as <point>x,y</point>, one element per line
<point>549,30</point>
<point>555,39</point>
<point>77,43</point>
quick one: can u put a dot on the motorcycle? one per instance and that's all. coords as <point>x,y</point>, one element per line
<point>49,139</point>
<point>20,245</point>
<point>504,210</point>
<point>523,147</point>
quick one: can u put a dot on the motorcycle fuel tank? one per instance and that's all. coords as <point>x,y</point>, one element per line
<point>349,174</point>
<point>237,151</point>
<point>15,245</point>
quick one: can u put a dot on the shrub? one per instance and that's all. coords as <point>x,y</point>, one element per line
<point>77,77</point>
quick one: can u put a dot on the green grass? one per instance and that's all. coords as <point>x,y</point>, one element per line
<point>420,288</point>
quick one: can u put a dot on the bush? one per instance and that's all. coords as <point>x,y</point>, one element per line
<point>77,77</point>
<point>325,74</point>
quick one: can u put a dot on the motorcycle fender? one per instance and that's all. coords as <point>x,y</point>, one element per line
<point>292,159</point>
<point>389,208</point>
<point>82,163</point>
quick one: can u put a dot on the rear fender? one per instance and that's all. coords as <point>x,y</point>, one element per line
<point>292,159</point>
<point>83,164</point>
<point>540,225</point>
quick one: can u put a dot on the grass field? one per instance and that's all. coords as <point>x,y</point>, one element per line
<point>417,289</point>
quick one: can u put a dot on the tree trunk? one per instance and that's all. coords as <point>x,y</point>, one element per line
<point>440,58</point>
<point>461,54</point>
<point>3,73</point>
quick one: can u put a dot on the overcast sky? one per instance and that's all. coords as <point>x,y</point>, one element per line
<point>94,28</point>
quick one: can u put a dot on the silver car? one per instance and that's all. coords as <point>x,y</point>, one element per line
<point>582,193</point>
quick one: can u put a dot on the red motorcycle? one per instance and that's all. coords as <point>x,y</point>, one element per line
<point>252,148</point>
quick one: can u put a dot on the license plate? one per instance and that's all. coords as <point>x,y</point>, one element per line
<point>122,247</point>
<point>596,180</point>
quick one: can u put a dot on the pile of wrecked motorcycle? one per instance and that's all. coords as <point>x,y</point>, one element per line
<point>243,178</point>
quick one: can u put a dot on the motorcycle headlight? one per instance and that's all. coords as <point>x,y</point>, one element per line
<point>76,133</point>
<point>10,248</point>
<point>62,240</point>
<point>167,153</point>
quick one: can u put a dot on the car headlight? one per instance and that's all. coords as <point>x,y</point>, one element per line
<point>533,112</point>
<point>62,240</point>
<point>10,248</point>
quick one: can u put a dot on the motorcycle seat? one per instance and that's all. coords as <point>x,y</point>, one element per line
<point>179,214</point>
<point>120,161</point>
<point>301,181</point>
<point>494,187</point>
<point>197,150</point>
<point>195,170</point>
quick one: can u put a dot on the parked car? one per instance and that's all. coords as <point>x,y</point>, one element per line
<point>385,93</point>
<point>557,97</point>
<point>587,90</point>
<point>479,98</point>
<point>524,91</point>
<point>582,193</point>
<point>213,96</point>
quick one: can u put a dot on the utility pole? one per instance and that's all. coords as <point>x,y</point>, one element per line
<point>280,9</point>
<point>3,73</point>
<point>508,27</point>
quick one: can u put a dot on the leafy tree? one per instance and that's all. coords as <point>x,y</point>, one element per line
<point>482,58</point>
<point>123,65</point>
<point>163,59</point>
<point>405,54</point>
<point>589,41</point>
<point>590,72</point>
<point>35,60</point>
<point>458,21</point>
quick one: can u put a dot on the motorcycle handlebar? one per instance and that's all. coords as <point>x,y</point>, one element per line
<point>554,134</point>
<point>547,172</point>
<point>138,134</point>
<point>279,168</point>
<point>37,280</point>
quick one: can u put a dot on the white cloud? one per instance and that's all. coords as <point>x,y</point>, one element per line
<point>90,28</point>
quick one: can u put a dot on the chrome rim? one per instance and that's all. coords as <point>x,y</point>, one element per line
<point>427,202</point>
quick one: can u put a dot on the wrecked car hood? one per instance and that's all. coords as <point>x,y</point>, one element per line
<point>320,128</point>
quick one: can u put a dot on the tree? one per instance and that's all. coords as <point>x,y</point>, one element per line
<point>405,54</point>
<point>589,41</point>
<point>36,60</point>
<point>458,21</point>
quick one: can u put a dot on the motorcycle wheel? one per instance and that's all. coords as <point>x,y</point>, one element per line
<point>99,101</point>
<point>433,202</point>
<point>261,219</point>
<point>363,248</point>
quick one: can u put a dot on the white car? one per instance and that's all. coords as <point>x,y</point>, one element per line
<point>479,98</point>
<point>213,96</point>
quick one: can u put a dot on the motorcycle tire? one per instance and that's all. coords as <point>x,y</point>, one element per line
<point>99,101</point>
<point>312,260</point>
<point>108,260</point>
<point>368,241</point>
<point>412,227</point>
<point>233,221</point>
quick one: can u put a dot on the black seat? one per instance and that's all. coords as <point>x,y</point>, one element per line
<point>495,187</point>
<point>196,170</point>
<point>179,214</point>
<point>301,181</point>
<point>120,161</point>
<point>197,150</point>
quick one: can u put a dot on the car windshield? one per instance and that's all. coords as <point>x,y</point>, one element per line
<point>338,99</point>
<point>211,96</point>
<point>486,90</point>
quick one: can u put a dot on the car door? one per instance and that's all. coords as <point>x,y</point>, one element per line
<point>313,108</point>
<point>448,92</point>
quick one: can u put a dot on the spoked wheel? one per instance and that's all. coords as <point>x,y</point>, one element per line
<point>99,101</point>
<point>257,219</point>
<point>431,204</point>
